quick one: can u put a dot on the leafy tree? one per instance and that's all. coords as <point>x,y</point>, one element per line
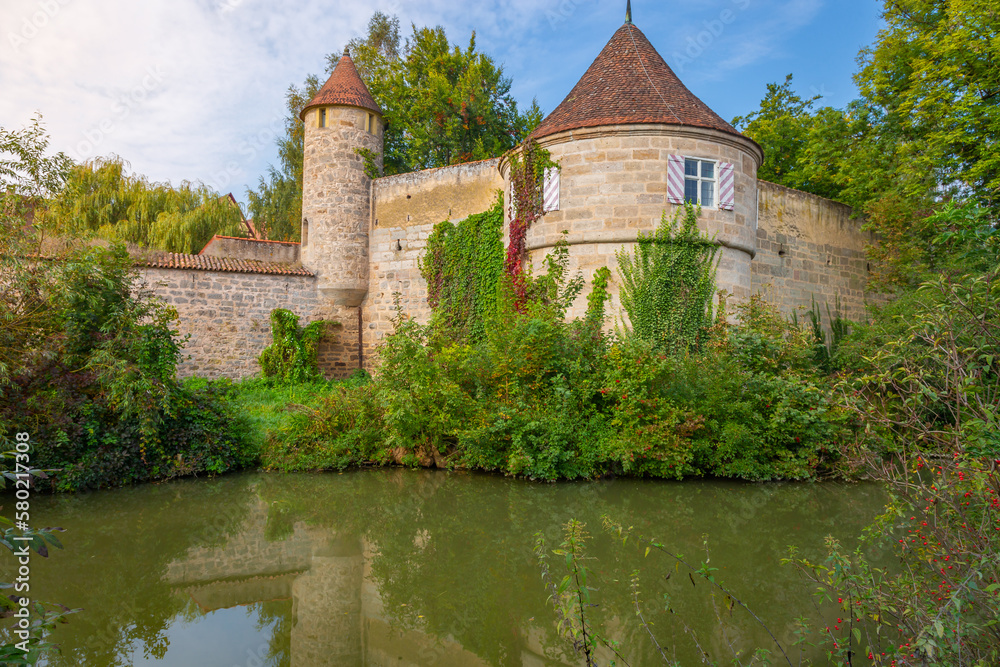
<point>933,74</point>
<point>781,126</point>
<point>27,177</point>
<point>443,104</point>
<point>829,152</point>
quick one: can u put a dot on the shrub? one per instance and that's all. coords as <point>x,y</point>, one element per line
<point>291,357</point>
<point>96,386</point>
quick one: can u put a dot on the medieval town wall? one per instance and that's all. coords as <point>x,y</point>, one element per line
<point>427,197</point>
<point>406,209</point>
<point>810,248</point>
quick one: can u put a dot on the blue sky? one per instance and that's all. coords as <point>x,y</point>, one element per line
<point>194,89</point>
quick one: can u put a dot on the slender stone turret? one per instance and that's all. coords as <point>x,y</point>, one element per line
<point>343,134</point>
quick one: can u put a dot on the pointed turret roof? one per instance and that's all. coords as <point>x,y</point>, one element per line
<point>344,87</point>
<point>628,83</point>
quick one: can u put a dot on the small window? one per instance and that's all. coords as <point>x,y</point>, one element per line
<point>322,118</point>
<point>699,182</point>
<point>370,124</point>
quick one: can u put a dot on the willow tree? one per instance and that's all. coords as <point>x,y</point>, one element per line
<point>668,284</point>
<point>100,199</point>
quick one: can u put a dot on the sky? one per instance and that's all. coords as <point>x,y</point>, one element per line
<point>194,89</point>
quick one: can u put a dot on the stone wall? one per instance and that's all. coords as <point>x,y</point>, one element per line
<point>227,316</point>
<point>810,247</point>
<point>405,210</point>
<point>283,252</point>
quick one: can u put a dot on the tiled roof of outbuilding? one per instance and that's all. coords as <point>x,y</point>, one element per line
<point>344,87</point>
<point>629,83</point>
<point>173,260</point>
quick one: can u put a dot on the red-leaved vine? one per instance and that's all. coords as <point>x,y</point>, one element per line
<point>527,171</point>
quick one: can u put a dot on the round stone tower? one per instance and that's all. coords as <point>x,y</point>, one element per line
<point>632,142</point>
<point>343,136</point>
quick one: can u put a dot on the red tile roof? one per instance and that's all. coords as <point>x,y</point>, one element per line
<point>628,83</point>
<point>344,87</point>
<point>173,260</point>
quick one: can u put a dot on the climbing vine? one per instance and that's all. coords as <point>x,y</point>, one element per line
<point>463,266</point>
<point>668,284</point>
<point>370,157</point>
<point>527,175</point>
<point>292,356</point>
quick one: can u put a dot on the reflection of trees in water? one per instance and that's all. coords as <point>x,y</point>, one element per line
<point>275,617</point>
<point>450,555</point>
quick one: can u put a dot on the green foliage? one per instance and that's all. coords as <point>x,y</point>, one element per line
<point>932,73</point>
<point>291,357</point>
<point>935,385</point>
<point>462,265</point>
<point>667,286</point>
<point>25,170</point>
<point>544,398</point>
<point>101,200</point>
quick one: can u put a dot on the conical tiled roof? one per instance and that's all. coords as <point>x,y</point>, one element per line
<point>344,87</point>
<point>628,83</point>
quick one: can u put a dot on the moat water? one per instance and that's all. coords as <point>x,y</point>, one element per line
<point>419,568</point>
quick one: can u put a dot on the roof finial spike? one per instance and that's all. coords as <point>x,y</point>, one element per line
<point>347,51</point>
<point>628,12</point>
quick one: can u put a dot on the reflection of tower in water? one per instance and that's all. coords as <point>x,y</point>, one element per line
<point>326,606</point>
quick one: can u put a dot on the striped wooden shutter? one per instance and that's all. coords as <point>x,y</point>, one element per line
<point>550,191</point>
<point>727,186</point>
<point>675,179</point>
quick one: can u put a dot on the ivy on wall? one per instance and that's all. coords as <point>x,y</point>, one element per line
<point>292,356</point>
<point>527,173</point>
<point>668,284</point>
<point>463,266</point>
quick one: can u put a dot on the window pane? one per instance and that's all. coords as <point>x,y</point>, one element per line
<point>708,170</point>
<point>691,191</point>
<point>690,167</point>
<point>707,193</point>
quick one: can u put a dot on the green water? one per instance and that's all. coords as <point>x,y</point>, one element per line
<point>400,567</point>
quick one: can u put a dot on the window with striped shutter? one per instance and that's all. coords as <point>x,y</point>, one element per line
<point>675,179</point>
<point>550,191</point>
<point>727,186</point>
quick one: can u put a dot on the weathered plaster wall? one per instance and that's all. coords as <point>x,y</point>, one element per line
<point>810,247</point>
<point>430,196</point>
<point>613,184</point>
<point>252,249</point>
<point>227,316</point>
